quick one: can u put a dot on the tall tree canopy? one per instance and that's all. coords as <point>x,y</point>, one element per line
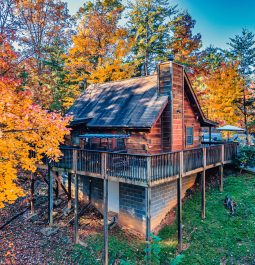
<point>243,49</point>
<point>184,44</point>
<point>100,45</point>
<point>43,25</point>
<point>149,26</point>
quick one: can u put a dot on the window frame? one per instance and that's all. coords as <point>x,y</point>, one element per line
<point>189,134</point>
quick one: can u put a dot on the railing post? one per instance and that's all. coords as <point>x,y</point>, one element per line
<point>221,168</point>
<point>104,175</point>
<point>50,195</point>
<point>179,202</point>
<point>76,203</point>
<point>203,185</point>
<point>148,207</point>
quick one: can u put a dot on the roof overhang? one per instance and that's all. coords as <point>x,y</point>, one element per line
<point>104,136</point>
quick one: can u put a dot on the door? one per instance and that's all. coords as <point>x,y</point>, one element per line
<point>113,196</point>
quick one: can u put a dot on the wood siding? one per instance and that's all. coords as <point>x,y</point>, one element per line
<point>190,120</point>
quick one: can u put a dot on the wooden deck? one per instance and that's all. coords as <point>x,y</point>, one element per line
<point>143,170</point>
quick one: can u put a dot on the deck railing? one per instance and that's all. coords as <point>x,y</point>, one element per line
<point>192,159</point>
<point>144,168</point>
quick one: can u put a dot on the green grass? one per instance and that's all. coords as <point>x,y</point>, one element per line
<point>219,239</point>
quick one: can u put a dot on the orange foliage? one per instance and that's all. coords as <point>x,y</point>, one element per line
<point>99,48</point>
<point>220,92</point>
<point>24,128</point>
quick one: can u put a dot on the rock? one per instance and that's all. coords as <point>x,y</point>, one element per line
<point>49,231</point>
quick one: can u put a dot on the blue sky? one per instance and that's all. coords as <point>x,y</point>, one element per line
<point>217,20</point>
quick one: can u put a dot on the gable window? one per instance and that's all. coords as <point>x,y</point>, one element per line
<point>189,135</point>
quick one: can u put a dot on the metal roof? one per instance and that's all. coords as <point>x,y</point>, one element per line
<point>104,135</point>
<point>230,128</point>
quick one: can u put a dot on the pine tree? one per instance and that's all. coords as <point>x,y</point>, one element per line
<point>243,49</point>
<point>149,25</point>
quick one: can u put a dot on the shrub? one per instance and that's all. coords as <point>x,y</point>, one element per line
<point>246,157</point>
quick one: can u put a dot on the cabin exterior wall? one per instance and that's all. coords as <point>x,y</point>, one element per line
<point>190,120</point>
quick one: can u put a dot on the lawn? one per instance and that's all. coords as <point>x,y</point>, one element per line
<point>219,239</point>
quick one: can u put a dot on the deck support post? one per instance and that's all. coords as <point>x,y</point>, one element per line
<point>148,210</point>
<point>50,195</point>
<point>203,185</point>
<point>221,168</point>
<point>76,202</point>
<point>104,174</point>
<point>179,203</point>
<point>69,190</point>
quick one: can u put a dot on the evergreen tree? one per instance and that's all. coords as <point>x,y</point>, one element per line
<point>149,26</point>
<point>243,49</point>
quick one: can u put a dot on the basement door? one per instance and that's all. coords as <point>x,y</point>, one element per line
<point>113,196</point>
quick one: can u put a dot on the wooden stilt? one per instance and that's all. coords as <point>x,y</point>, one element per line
<point>50,195</point>
<point>32,191</point>
<point>57,186</point>
<point>105,221</point>
<point>203,185</point>
<point>179,203</point>
<point>148,210</point>
<point>69,190</point>
<point>221,168</point>
<point>221,177</point>
<point>103,171</point>
<point>76,205</point>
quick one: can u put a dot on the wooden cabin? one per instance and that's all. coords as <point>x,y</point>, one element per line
<point>128,133</point>
<point>144,115</point>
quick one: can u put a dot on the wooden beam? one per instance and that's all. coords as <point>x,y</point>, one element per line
<point>50,195</point>
<point>76,203</point>
<point>103,171</point>
<point>69,188</point>
<point>61,184</point>
<point>203,185</point>
<point>179,203</point>
<point>148,210</point>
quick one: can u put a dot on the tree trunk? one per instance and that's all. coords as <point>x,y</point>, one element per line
<point>245,117</point>
<point>32,191</point>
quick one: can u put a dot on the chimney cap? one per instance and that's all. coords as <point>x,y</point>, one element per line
<point>171,57</point>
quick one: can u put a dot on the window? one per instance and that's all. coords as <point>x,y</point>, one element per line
<point>189,135</point>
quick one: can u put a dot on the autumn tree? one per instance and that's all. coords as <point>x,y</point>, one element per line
<point>184,44</point>
<point>100,45</point>
<point>149,25</point>
<point>44,25</point>
<point>25,128</point>
<point>8,22</point>
<point>220,92</point>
